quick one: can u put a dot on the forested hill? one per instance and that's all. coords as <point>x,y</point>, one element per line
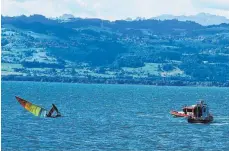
<point>168,52</point>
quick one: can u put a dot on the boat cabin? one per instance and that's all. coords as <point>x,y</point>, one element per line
<point>188,110</point>
<point>201,110</point>
<point>200,114</point>
<point>198,110</point>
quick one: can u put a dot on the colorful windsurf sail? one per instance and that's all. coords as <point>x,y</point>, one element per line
<point>34,109</point>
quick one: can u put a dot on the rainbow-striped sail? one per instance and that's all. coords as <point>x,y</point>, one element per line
<point>35,109</point>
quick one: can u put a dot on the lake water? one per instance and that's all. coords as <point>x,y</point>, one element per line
<point>111,117</point>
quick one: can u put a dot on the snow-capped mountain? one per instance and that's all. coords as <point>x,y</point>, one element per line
<point>66,17</point>
<point>201,18</point>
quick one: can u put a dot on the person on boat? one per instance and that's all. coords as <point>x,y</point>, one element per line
<point>50,113</point>
<point>185,110</point>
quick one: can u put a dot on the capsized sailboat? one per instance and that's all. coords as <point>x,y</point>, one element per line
<point>37,110</point>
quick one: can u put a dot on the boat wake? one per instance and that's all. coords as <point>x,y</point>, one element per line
<point>219,124</point>
<point>221,120</point>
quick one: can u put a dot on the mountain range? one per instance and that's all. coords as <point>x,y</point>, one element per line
<point>204,19</point>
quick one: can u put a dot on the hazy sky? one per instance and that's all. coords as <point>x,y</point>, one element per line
<point>114,9</point>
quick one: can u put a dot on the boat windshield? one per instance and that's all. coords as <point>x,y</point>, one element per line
<point>187,110</point>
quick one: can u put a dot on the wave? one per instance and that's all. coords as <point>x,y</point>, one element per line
<point>220,124</point>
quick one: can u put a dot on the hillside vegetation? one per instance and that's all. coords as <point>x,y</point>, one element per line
<point>168,52</point>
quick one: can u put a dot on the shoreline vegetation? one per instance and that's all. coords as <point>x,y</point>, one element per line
<point>139,81</point>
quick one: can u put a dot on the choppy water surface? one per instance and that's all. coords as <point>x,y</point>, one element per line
<point>111,117</point>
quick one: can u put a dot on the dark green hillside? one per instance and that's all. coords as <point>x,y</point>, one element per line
<point>152,51</point>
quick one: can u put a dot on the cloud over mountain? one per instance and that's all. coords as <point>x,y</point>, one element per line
<point>113,10</point>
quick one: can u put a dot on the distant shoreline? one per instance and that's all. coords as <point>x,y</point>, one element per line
<point>118,81</point>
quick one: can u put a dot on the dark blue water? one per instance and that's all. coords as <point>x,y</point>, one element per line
<point>111,117</point>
